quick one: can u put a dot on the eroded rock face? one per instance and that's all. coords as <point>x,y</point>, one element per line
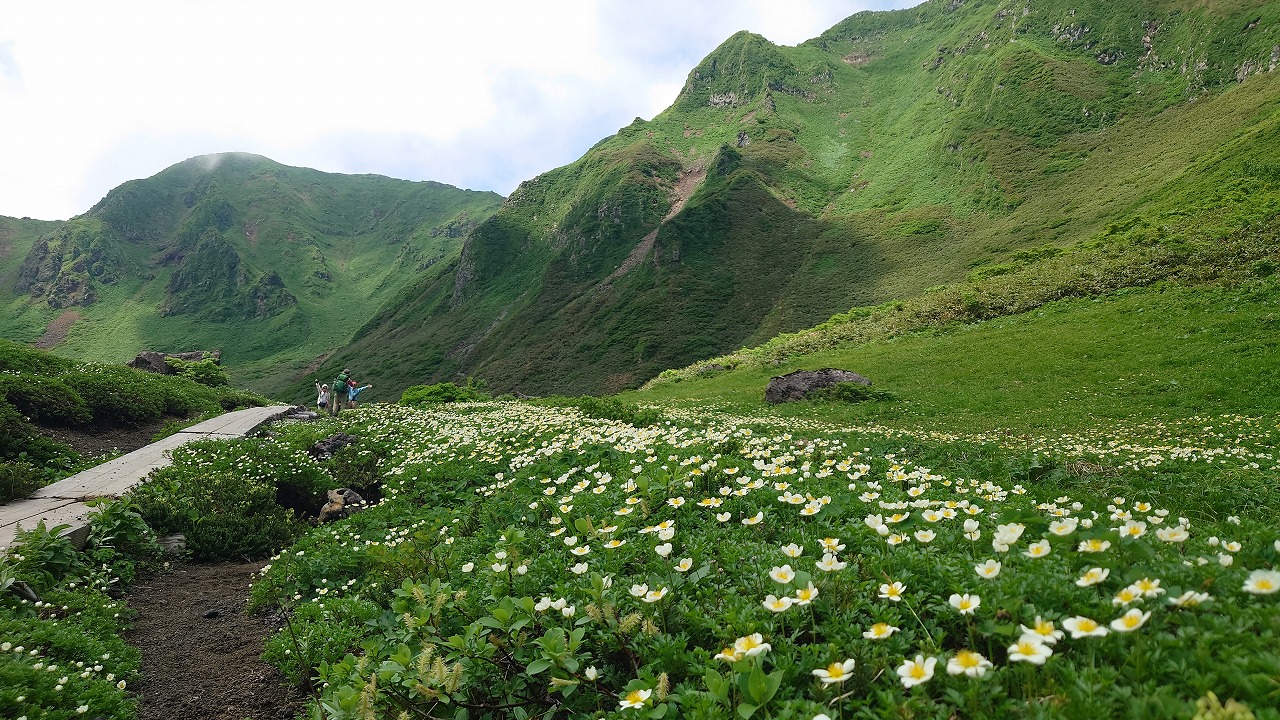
<point>797,385</point>
<point>156,362</point>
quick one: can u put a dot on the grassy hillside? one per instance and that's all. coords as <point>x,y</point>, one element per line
<point>1149,354</point>
<point>274,265</point>
<point>896,153</point>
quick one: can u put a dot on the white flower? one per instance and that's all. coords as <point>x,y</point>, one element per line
<point>968,662</point>
<point>578,569</point>
<point>663,550</point>
<point>1262,582</point>
<point>639,590</point>
<point>917,671</point>
<point>777,604</point>
<point>685,565</point>
<point>829,563</point>
<point>1131,620</point>
<point>1093,576</point>
<point>498,567</point>
<point>966,603</point>
<point>1081,627</point>
<point>1038,549</point>
<point>836,672</point>
<point>782,574</point>
<point>880,631</point>
<point>988,569</point>
<point>892,591</point>
<point>1031,649</point>
<point>468,567</point>
<point>792,550</point>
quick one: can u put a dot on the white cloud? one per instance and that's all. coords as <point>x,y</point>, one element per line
<point>480,94</point>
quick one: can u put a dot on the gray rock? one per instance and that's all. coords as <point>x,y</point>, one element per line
<point>342,502</point>
<point>797,385</point>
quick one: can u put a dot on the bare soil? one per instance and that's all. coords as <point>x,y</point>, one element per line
<point>56,332</point>
<point>200,651</point>
<point>97,440</point>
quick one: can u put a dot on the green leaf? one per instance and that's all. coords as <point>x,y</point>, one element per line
<point>746,710</point>
<point>758,685</point>
<point>537,666</point>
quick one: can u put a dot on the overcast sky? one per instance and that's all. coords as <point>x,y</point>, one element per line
<point>480,94</point>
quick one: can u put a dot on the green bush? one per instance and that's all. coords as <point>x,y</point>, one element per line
<point>44,399</point>
<point>445,392</point>
<point>19,440</point>
<point>19,478</point>
<point>608,408</point>
<point>206,372</point>
<point>119,393</point>
<point>320,633</point>
<point>18,358</point>
<point>47,556</point>
<point>223,496</point>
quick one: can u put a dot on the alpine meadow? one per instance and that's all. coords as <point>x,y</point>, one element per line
<point>1047,232</point>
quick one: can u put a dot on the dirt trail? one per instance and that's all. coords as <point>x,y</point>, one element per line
<point>200,652</point>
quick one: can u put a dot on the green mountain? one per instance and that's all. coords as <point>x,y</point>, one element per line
<point>274,265</point>
<point>898,152</point>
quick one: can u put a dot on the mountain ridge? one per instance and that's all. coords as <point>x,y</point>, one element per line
<point>271,263</point>
<point>896,152</point>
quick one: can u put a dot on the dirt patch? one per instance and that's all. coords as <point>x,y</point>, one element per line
<point>56,333</point>
<point>97,440</point>
<point>200,652</point>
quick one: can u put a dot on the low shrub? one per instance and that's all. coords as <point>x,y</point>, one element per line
<point>206,372</point>
<point>122,394</point>
<point>44,399</point>
<point>223,496</point>
<point>445,392</point>
<point>19,440</point>
<point>19,478</point>
<point>608,408</point>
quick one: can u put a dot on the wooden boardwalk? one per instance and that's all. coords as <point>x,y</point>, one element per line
<point>64,501</point>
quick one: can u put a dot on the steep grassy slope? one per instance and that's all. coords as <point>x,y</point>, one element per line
<point>274,265</point>
<point>897,152</point>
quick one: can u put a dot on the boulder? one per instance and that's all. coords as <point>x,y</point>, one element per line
<point>157,362</point>
<point>797,385</point>
<point>329,446</point>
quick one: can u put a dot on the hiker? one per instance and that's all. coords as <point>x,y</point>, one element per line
<point>322,397</point>
<point>339,383</point>
<point>353,391</point>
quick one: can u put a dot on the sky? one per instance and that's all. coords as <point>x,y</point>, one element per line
<point>480,94</point>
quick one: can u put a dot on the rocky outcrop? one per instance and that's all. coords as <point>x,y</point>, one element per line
<point>157,362</point>
<point>797,385</point>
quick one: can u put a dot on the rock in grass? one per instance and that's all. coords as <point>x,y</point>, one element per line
<point>797,385</point>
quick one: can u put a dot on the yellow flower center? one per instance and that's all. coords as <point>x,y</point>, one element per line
<point>1087,625</point>
<point>835,669</point>
<point>917,671</point>
<point>967,659</point>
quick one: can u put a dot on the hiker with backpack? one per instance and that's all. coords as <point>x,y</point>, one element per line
<point>339,385</point>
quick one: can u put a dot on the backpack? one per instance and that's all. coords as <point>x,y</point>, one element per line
<point>341,380</point>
